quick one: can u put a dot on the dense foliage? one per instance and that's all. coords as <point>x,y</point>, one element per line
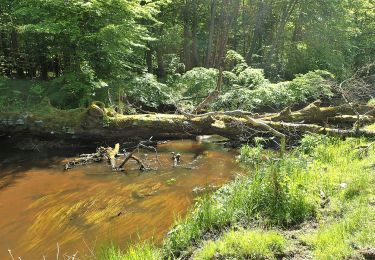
<point>95,49</point>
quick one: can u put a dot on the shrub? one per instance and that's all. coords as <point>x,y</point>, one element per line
<point>146,90</point>
<point>198,82</point>
<point>236,62</point>
<point>75,89</point>
<point>252,78</point>
<point>302,89</point>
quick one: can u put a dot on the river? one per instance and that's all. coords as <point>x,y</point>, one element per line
<point>44,209</point>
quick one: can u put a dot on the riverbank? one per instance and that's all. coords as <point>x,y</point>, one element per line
<point>317,202</point>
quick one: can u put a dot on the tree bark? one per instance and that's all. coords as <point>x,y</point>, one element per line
<point>208,61</point>
<point>96,123</point>
<point>187,37</point>
<point>257,37</point>
<point>148,58</point>
<point>159,57</point>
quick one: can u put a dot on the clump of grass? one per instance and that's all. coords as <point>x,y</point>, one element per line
<point>207,215</point>
<point>141,251</point>
<point>244,244</point>
<point>279,193</point>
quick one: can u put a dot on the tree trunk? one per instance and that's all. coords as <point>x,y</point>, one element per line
<point>148,58</point>
<point>208,61</point>
<point>187,38</point>
<point>43,67</point>
<point>194,40</point>
<point>235,125</point>
<point>278,37</point>
<point>257,38</point>
<point>159,56</point>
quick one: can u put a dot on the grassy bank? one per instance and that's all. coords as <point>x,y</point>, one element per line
<point>316,202</point>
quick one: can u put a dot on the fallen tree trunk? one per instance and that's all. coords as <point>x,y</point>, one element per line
<point>314,114</point>
<point>96,124</point>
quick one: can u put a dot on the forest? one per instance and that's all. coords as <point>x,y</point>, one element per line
<point>288,84</point>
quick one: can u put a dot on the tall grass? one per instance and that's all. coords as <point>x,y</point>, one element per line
<point>276,193</point>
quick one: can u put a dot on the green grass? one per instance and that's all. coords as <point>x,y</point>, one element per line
<point>339,240</point>
<point>277,194</point>
<point>142,251</point>
<point>244,244</point>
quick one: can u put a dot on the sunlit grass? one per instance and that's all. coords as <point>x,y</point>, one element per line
<point>244,244</point>
<point>142,251</point>
<point>339,240</point>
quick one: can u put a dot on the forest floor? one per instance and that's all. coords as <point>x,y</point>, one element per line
<point>315,202</point>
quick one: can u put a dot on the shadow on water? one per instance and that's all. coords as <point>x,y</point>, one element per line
<point>41,205</point>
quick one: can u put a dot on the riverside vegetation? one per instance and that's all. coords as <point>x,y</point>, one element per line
<point>317,201</point>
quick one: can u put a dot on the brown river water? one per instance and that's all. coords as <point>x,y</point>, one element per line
<point>90,206</point>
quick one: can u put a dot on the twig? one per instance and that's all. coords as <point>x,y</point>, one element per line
<point>10,253</point>
<point>90,249</point>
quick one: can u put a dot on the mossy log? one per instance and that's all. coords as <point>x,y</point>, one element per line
<point>315,114</point>
<point>97,123</point>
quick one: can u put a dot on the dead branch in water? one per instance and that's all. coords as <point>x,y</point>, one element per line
<point>109,154</point>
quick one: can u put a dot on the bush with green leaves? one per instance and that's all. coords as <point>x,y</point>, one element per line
<point>145,90</point>
<point>198,82</point>
<point>20,95</point>
<point>299,91</point>
<point>235,61</point>
<point>252,78</point>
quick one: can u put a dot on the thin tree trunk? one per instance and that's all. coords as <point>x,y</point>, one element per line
<point>277,41</point>
<point>43,67</point>
<point>148,58</point>
<point>208,62</point>
<point>187,36</point>
<point>257,38</point>
<point>159,57</point>
<point>194,42</point>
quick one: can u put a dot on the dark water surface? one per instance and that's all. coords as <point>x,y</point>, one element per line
<point>42,205</point>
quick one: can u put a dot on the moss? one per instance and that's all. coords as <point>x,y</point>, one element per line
<point>54,118</point>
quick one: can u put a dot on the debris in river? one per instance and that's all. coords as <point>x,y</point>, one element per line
<point>176,157</point>
<point>108,154</point>
<point>198,190</point>
<point>171,181</point>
